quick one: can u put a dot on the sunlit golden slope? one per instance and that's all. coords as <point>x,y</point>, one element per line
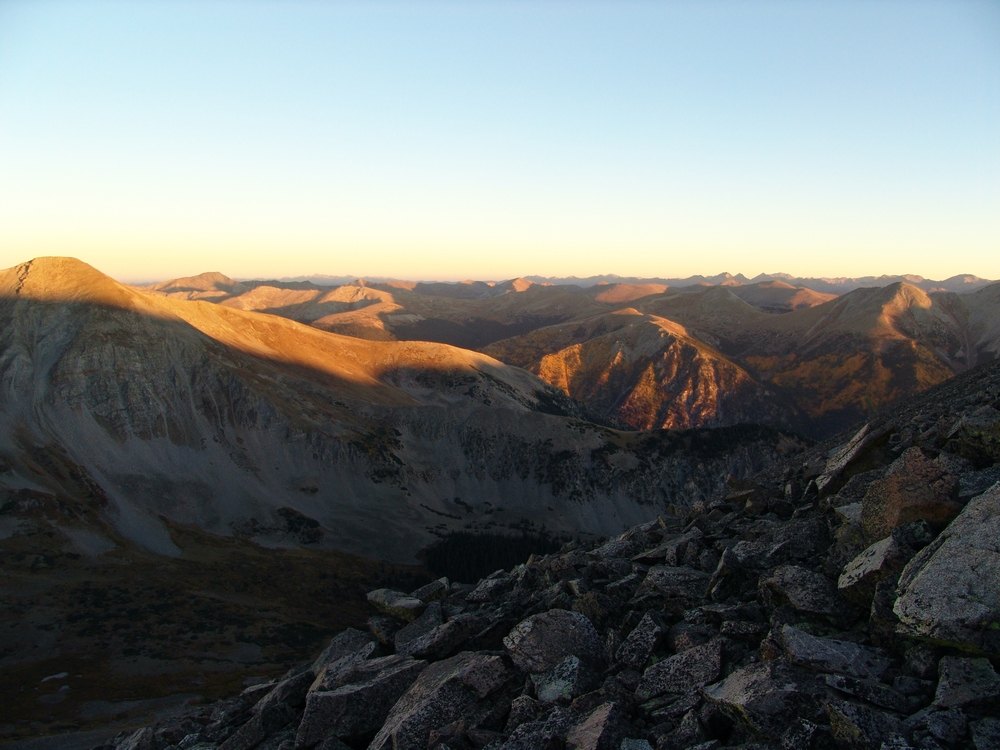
<point>646,372</point>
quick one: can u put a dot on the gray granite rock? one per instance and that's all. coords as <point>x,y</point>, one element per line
<point>396,604</point>
<point>540,642</point>
<point>642,641</point>
<point>966,682</point>
<point>763,695</point>
<point>860,727</point>
<point>829,655</point>
<point>948,593</point>
<point>357,702</point>
<point>444,692</point>
<point>683,672</point>
<point>681,582</point>
<point>883,559</point>
<point>804,590</point>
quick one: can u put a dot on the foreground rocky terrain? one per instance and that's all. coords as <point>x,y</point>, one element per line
<point>850,598</point>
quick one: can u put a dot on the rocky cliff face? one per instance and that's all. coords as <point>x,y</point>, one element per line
<point>846,599</point>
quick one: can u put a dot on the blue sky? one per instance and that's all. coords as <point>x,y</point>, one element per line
<point>490,140</point>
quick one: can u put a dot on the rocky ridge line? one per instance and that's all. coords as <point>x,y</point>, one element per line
<point>851,599</point>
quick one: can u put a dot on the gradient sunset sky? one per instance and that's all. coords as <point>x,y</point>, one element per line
<point>495,139</point>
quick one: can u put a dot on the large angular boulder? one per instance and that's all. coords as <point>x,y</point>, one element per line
<point>914,487</point>
<point>848,454</point>
<point>964,682</point>
<point>860,727</point>
<point>829,655</point>
<point>541,641</point>
<point>881,560</point>
<point>763,695</point>
<point>977,436</point>
<point>356,703</point>
<point>345,643</point>
<point>567,680</point>
<point>683,672</point>
<point>642,641</point>
<point>804,590</point>
<point>948,593</point>
<point>396,604</point>
<point>683,582</point>
<point>603,729</point>
<point>456,688</point>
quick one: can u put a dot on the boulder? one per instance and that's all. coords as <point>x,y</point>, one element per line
<point>948,592</point>
<point>683,672</point>
<point>421,626</point>
<point>683,582</point>
<point>965,682</point>
<point>448,690</point>
<point>346,642</point>
<point>603,729</point>
<point>804,590</point>
<point>445,639</point>
<point>869,691</point>
<point>977,437</point>
<point>541,641</point>
<point>433,591</point>
<point>396,604</point>
<point>828,655</point>
<point>860,727</point>
<point>848,454</point>
<point>763,695</point>
<point>914,487</point>
<point>546,732</point>
<point>567,680</point>
<point>986,734</point>
<point>884,559</point>
<point>642,641</point>
<point>357,702</point>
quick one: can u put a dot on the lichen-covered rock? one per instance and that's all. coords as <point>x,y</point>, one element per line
<point>683,672</point>
<point>804,590</point>
<point>828,655</point>
<point>357,702</point>
<point>914,487</point>
<point>447,690</point>
<point>977,436</point>
<point>763,695</point>
<point>860,727</point>
<point>567,680</point>
<point>883,559</point>
<point>396,604</point>
<point>966,682</point>
<point>683,582</point>
<point>948,593</point>
<point>540,642</point>
<point>642,641</point>
<point>601,730</point>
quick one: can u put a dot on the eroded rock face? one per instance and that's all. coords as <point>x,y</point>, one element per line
<point>949,593</point>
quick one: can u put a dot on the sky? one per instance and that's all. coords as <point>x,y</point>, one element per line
<point>488,140</point>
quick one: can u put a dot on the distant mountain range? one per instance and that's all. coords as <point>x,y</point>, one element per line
<point>825,285</point>
<point>646,354</point>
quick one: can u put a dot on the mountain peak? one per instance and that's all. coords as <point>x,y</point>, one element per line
<point>62,279</point>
